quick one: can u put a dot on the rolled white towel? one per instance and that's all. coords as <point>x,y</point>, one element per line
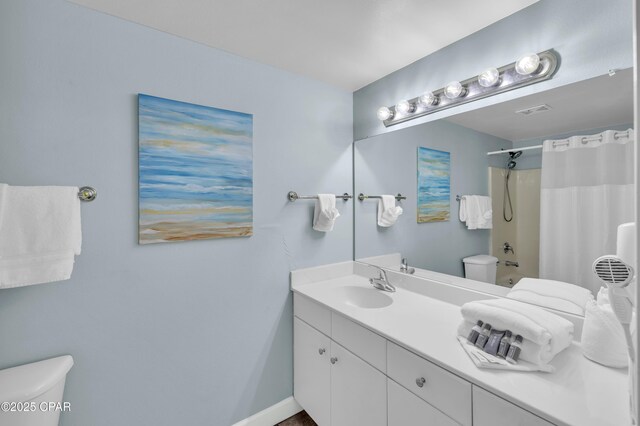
<point>531,322</point>
<point>388,212</point>
<point>603,339</point>
<point>531,352</point>
<point>325,213</point>
<point>552,294</point>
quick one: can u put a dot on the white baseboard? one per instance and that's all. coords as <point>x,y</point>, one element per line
<point>273,415</point>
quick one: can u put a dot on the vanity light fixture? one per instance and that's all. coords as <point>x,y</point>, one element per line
<point>405,107</point>
<point>489,77</point>
<point>528,64</point>
<point>428,99</point>
<point>529,69</point>
<point>454,90</point>
<point>384,113</point>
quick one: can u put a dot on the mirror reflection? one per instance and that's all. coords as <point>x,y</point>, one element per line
<point>535,187</point>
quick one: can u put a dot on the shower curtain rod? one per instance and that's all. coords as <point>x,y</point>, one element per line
<point>564,141</point>
<point>506,151</point>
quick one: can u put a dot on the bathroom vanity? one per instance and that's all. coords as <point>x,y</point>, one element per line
<point>367,357</point>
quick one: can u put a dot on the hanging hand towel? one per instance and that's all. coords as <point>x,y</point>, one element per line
<point>39,234</point>
<point>476,211</point>
<point>325,213</point>
<point>388,212</point>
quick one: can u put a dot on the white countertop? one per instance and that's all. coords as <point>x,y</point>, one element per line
<point>579,393</point>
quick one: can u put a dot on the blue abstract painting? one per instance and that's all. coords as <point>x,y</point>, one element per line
<point>434,188</point>
<point>196,171</point>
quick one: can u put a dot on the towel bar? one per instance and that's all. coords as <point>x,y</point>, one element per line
<point>293,196</point>
<point>87,193</point>
<point>363,197</point>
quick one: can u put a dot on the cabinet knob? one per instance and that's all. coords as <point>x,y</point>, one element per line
<point>334,360</point>
<point>321,351</point>
<point>420,381</point>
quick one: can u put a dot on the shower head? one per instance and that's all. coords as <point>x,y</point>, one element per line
<point>511,164</point>
<point>515,154</point>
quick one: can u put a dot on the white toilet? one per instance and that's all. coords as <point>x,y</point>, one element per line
<point>481,267</point>
<point>38,386</point>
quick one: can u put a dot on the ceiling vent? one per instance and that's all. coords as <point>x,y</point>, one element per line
<point>534,110</point>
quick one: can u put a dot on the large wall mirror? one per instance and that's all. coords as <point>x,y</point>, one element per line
<point>554,209</point>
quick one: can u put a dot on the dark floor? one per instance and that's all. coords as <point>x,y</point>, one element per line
<point>300,419</point>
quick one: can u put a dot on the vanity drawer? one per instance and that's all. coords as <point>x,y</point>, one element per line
<point>363,342</point>
<point>440,388</point>
<point>312,313</point>
<point>491,410</point>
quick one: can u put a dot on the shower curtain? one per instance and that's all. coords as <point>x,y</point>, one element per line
<point>586,192</point>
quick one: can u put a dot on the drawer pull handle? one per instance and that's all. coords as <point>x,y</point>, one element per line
<point>334,360</point>
<point>321,351</point>
<point>420,381</point>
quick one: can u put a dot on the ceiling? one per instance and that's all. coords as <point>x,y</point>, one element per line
<point>598,102</point>
<point>346,43</point>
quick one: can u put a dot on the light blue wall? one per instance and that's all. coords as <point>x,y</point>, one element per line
<point>591,36</point>
<point>533,159</point>
<point>193,333</point>
<point>387,164</point>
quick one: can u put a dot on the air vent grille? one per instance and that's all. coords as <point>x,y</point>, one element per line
<point>534,110</point>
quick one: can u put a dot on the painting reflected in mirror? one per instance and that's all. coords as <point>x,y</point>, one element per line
<point>535,187</point>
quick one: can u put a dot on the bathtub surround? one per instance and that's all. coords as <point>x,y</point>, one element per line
<point>202,327</point>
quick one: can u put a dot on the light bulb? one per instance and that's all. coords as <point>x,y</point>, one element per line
<point>528,64</point>
<point>453,90</point>
<point>384,113</point>
<point>489,77</point>
<point>428,99</point>
<point>405,107</point>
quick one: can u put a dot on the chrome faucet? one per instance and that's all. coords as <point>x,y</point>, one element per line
<point>510,263</point>
<point>382,282</point>
<point>506,247</point>
<point>404,267</point>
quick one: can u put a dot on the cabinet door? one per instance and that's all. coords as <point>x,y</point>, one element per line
<point>312,371</point>
<point>491,410</point>
<point>407,409</point>
<point>358,391</point>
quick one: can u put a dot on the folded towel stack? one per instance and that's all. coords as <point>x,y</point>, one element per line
<point>325,213</point>
<point>39,234</point>
<point>552,294</point>
<point>388,212</point>
<point>603,339</point>
<point>545,334</point>
<point>476,211</point>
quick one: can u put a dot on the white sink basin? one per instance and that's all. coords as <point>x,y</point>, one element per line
<point>368,298</point>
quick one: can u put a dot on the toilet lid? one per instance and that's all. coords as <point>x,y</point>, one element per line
<point>480,259</point>
<point>26,382</point>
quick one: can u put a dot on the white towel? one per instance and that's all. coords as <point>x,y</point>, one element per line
<point>531,352</point>
<point>552,294</point>
<point>325,213</point>
<point>476,211</point>
<point>603,339</point>
<point>40,233</point>
<point>531,322</point>
<point>388,212</point>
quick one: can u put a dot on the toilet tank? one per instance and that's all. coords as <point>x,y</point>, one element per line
<point>481,267</point>
<point>39,385</point>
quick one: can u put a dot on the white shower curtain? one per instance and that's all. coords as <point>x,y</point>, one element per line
<point>586,192</point>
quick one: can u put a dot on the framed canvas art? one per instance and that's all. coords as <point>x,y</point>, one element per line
<point>195,172</point>
<point>434,187</point>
